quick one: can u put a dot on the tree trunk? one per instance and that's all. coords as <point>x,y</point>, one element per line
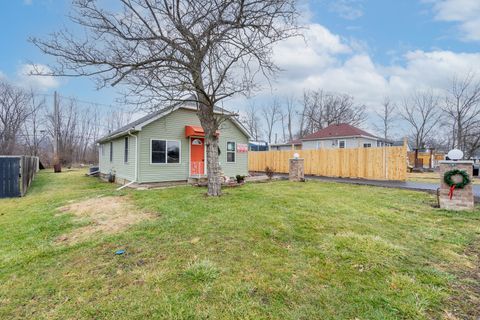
<point>213,166</point>
<point>210,127</point>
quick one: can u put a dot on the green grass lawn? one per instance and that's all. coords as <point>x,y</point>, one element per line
<point>275,250</point>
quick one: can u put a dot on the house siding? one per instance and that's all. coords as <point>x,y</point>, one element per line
<point>172,127</point>
<point>333,143</point>
<point>117,165</point>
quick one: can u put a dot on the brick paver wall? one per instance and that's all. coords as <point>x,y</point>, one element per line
<point>462,198</point>
<point>296,170</point>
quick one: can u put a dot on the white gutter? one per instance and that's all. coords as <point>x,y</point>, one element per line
<point>136,162</point>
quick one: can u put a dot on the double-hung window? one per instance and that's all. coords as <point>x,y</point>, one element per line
<point>342,144</point>
<point>125,155</point>
<point>231,151</point>
<point>165,151</point>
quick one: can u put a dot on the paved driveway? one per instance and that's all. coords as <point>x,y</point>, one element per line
<point>409,185</point>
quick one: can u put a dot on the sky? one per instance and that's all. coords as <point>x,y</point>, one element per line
<point>366,48</point>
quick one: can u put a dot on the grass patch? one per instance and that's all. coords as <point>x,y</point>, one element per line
<point>277,250</point>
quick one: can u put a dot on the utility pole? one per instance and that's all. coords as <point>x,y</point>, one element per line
<point>56,119</point>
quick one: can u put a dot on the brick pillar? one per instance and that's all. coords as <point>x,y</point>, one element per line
<point>296,170</point>
<point>462,198</point>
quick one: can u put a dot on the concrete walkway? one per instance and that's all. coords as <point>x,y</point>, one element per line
<point>408,185</point>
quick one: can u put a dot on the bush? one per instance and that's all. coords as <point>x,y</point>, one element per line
<point>240,178</point>
<point>269,172</point>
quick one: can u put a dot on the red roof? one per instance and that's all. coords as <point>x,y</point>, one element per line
<point>337,130</point>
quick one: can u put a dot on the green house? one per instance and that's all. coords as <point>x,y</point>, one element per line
<point>169,145</point>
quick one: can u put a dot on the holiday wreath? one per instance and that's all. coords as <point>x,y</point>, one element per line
<point>456,185</point>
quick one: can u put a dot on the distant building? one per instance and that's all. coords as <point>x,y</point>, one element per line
<point>257,146</point>
<point>341,136</point>
<point>291,145</point>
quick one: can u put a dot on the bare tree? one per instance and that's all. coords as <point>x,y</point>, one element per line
<point>33,131</point>
<point>322,109</point>
<point>462,108</point>
<point>287,118</point>
<point>387,116</point>
<point>252,122</point>
<point>271,115</point>
<point>117,119</point>
<point>421,111</point>
<point>79,128</point>
<point>166,50</point>
<point>14,110</point>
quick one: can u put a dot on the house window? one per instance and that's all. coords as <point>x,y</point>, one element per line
<point>125,155</point>
<point>231,151</point>
<point>342,144</point>
<point>165,151</point>
<point>197,142</point>
<point>367,145</point>
<point>111,151</point>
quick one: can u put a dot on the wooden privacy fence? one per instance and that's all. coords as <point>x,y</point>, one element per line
<point>384,163</point>
<point>16,175</point>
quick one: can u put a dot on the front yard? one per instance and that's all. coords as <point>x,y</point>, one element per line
<point>275,250</point>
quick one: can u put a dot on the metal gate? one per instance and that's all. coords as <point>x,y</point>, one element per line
<point>9,177</point>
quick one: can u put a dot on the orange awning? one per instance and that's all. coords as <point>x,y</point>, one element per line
<point>196,131</point>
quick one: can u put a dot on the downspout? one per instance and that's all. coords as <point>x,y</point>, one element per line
<point>136,162</point>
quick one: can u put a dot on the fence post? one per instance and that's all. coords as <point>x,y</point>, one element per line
<point>385,162</point>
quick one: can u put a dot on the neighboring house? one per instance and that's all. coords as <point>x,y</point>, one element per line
<point>291,145</point>
<point>342,136</point>
<point>335,136</point>
<point>169,145</point>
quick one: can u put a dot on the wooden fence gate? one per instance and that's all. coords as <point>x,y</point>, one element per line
<point>9,177</point>
<point>16,175</point>
<point>383,163</point>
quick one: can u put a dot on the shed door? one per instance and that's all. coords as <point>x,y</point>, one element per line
<point>197,156</point>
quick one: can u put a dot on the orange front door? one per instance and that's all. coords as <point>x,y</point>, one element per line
<point>197,156</point>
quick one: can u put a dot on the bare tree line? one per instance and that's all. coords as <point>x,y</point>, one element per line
<point>318,110</point>
<point>27,122</point>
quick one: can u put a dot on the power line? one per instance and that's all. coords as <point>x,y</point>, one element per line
<point>80,100</point>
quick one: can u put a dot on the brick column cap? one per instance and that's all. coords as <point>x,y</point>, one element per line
<point>455,162</point>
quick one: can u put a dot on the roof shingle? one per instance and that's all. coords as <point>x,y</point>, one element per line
<point>337,130</point>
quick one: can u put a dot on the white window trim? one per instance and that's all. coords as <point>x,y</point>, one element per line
<point>226,152</point>
<point>166,152</point>
<point>344,144</point>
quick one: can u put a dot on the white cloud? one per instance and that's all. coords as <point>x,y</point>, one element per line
<point>347,9</point>
<point>317,50</point>
<point>326,61</point>
<point>26,78</point>
<point>27,2</point>
<point>464,12</point>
